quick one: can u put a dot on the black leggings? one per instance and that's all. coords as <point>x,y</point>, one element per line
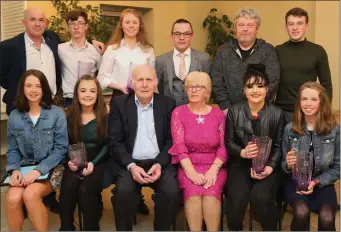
<point>87,193</point>
<point>300,221</point>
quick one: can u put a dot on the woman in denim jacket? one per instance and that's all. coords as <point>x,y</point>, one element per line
<point>313,129</point>
<point>37,134</point>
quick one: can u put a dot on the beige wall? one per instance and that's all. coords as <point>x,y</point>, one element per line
<point>327,34</point>
<point>323,30</point>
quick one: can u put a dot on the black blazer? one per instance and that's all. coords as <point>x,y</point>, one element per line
<point>239,131</point>
<point>122,128</point>
<point>13,64</point>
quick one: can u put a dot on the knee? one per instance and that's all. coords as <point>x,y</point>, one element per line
<point>236,199</point>
<point>302,212</point>
<point>14,199</point>
<point>30,196</point>
<point>259,197</point>
<point>326,215</point>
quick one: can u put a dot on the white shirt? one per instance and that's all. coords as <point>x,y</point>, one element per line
<point>75,63</point>
<point>41,59</point>
<point>117,64</point>
<point>176,60</point>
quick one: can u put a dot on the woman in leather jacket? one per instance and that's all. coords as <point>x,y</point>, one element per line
<point>314,130</point>
<point>256,117</point>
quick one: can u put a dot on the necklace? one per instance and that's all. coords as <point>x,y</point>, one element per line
<point>200,119</point>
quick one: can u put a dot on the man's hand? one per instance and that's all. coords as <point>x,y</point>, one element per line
<point>89,169</point>
<point>139,175</point>
<point>16,179</point>
<point>30,177</point>
<point>310,189</point>
<point>250,151</point>
<point>267,171</point>
<point>99,46</point>
<point>154,173</point>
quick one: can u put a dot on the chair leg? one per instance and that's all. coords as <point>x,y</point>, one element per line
<point>174,224</point>
<point>308,224</point>
<point>250,217</point>
<point>135,220</point>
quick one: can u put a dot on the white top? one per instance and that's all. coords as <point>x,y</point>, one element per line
<point>34,119</point>
<point>77,62</point>
<point>117,63</point>
<point>176,60</point>
<point>41,59</point>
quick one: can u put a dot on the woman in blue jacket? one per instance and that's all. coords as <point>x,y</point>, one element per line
<point>37,135</point>
<point>314,130</point>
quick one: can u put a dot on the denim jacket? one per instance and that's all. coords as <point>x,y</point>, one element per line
<point>326,152</point>
<point>49,138</point>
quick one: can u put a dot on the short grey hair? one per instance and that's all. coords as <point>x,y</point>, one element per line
<point>250,13</point>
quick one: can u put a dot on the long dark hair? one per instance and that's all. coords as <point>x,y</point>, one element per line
<point>21,102</point>
<point>75,111</point>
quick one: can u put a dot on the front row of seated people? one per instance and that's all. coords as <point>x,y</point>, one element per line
<point>172,150</point>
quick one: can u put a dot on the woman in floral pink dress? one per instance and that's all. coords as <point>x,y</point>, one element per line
<point>198,146</point>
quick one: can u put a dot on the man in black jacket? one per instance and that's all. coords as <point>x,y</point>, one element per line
<point>139,138</point>
<point>233,57</point>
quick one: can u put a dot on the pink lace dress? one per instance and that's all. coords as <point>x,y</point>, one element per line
<point>202,140</point>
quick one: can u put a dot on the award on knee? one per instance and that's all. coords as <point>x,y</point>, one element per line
<point>78,155</point>
<point>264,147</point>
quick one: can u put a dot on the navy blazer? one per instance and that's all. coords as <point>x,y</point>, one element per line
<point>122,128</point>
<point>13,64</point>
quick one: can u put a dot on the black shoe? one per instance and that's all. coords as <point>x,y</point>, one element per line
<point>143,208</point>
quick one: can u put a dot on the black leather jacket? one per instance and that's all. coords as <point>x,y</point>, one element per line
<point>239,131</point>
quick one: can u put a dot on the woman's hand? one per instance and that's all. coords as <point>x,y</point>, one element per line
<point>310,189</point>
<point>211,177</point>
<point>267,171</point>
<point>250,151</point>
<point>16,179</point>
<point>197,178</point>
<point>72,166</point>
<point>291,159</point>
<point>89,169</point>
<point>30,177</point>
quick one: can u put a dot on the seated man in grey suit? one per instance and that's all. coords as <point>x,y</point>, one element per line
<point>173,66</point>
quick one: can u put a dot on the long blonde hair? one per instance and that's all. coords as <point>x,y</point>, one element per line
<point>118,34</point>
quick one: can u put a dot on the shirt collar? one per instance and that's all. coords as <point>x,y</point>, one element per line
<point>187,52</point>
<point>123,43</point>
<point>87,44</point>
<point>29,41</point>
<point>138,103</point>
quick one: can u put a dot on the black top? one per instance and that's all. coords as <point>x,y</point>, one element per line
<point>300,62</point>
<point>246,53</point>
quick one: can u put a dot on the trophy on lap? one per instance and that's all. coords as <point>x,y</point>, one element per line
<point>264,147</point>
<point>78,156</point>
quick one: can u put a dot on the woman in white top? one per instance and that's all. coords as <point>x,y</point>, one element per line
<point>127,48</point>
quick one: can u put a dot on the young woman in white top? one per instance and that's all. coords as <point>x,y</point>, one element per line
<point>127,48</point>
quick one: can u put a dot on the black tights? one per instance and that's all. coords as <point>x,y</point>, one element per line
<point>300,222</point>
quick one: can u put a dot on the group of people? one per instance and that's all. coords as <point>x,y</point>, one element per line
<point>173,141</point>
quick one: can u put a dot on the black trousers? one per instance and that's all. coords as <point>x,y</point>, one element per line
<point>87,192</point>
<point>241,189</point>
<point>126,196</point>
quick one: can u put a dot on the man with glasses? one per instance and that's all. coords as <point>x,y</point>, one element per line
<point>78,56</point>
<point>173,66</point>
<point>300,61</point>
<point>36,48</point>
<point>233,57</point>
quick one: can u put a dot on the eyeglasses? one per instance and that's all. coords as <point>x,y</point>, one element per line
<point>197,87</point>
<point>250,86</point>
<point>78,24</point>
<point>185,34</point>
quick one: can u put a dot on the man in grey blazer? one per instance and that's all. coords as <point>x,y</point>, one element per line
<point>173,66</point>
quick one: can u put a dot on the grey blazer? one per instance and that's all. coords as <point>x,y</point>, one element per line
<point>165,71</point>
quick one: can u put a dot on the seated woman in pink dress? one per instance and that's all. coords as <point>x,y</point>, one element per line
<point>198,145</point>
